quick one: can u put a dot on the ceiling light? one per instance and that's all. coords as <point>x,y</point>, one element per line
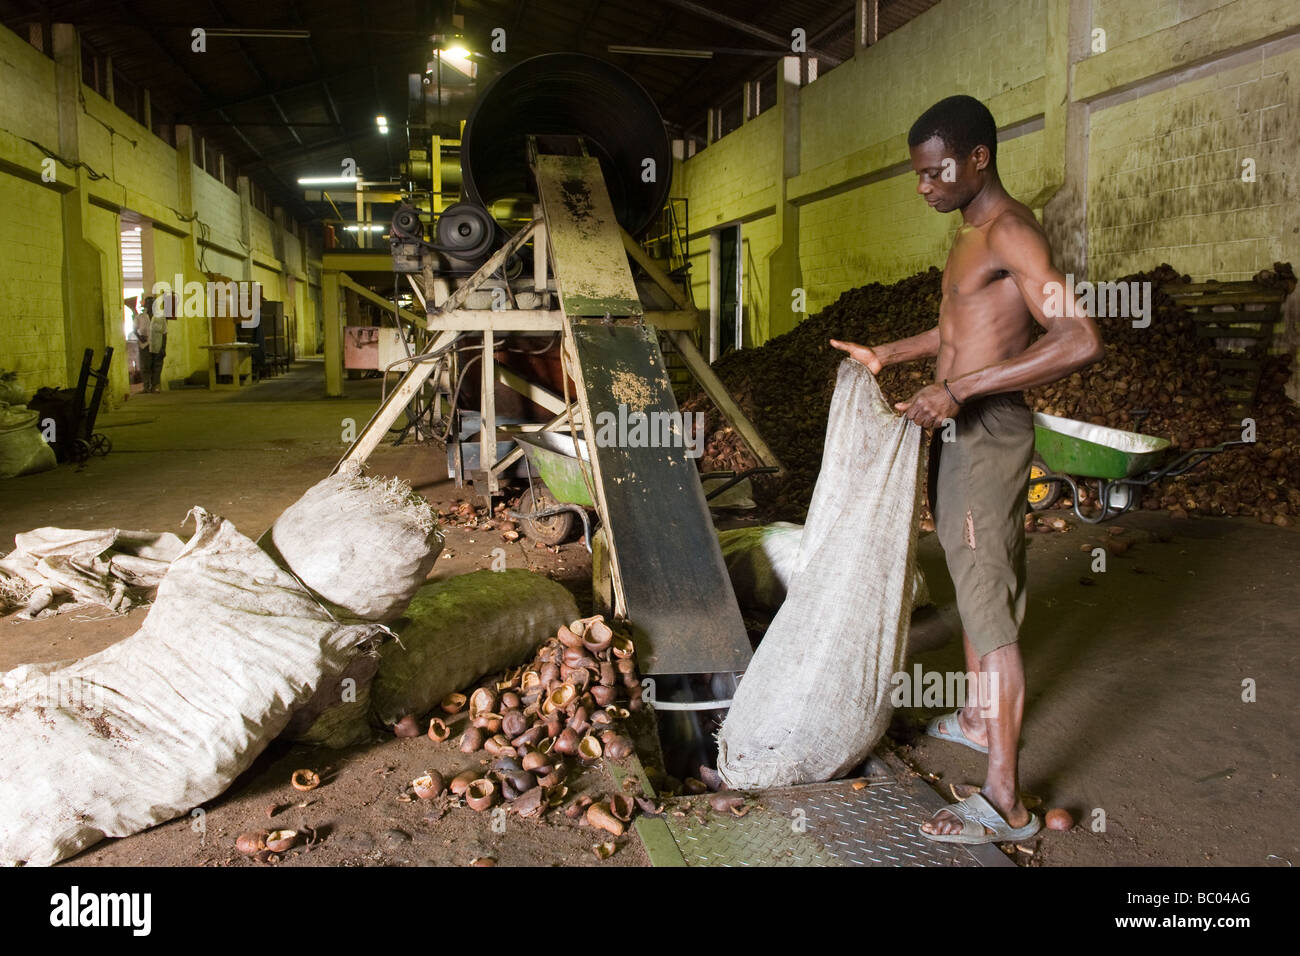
<point>325,180</point>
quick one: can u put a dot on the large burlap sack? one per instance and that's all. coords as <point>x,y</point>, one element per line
<point>63,568</point>
<point>363,544</point>
<point>159,723</point>
<point>457,630</point>
<point>815,698</point>
<point>761,561</point>
<point>338,714</point>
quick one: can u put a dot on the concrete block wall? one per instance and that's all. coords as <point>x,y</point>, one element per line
<point>1166,170</point>
<point>133,158</point>
<point>221,214</point>
<point>60,259</point>
<point>1124,20</point>
<point>737,184</point>
<point>31,229</point>
<point>31,284</point>
<point>1141,144</point>
<point>980,47</point>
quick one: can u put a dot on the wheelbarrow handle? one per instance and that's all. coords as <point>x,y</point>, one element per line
<point>1182,464</point>
<point>734,479</point>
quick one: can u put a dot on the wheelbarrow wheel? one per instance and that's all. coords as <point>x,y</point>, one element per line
<point>1043,496</point>
<point>552,529</point>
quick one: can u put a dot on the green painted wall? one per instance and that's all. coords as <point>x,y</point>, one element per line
<point>1160,121</point>
<point>60,262</point>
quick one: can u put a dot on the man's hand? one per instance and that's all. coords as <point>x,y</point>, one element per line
<point>861,354</point>
<point>929,407</point>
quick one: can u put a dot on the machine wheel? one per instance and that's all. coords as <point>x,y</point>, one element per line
<point>554,529</point>
<point>100,445</point>
<point>1041,497</point>
<point>80,451</point>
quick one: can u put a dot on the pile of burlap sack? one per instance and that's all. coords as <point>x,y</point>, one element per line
<point>328,633</point>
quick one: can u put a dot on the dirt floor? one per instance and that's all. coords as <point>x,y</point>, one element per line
<point>1135,675</point>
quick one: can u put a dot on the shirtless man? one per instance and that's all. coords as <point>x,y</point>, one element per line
<point>995,282</point>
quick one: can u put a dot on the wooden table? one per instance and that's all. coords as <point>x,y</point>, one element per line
<point>241,363</point>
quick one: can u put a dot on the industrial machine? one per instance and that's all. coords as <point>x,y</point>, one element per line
<point>582,146</point>
<point>536,281</point>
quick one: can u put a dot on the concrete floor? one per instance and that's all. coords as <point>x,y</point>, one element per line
<point>1135,680</point>
<point>1135,692</point>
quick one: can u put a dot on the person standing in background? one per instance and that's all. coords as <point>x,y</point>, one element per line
<point>142,323</point>
<point>160,309</point>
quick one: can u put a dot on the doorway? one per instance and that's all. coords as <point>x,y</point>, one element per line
<point>131,249</point>
<point>726,301</point>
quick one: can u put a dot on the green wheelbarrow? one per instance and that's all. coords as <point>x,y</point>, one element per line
<point>558,497</point>
<point>1070,453</point>
<point>552,507</point>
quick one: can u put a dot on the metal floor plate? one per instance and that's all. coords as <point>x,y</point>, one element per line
<point>828,824</point>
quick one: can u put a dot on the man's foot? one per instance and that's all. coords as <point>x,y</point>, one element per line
<point>981,819</point>
<point>958,729</point>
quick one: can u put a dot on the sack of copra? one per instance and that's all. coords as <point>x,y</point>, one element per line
<point>163,721</point>
<point>363,544</point>
<point>761,561</point>
<point>457,630</point>
<point>338,714</point>
<point>815,698</point>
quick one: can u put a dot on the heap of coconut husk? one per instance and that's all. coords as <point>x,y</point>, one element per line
<point>536,721</point>
<point>1165,369</point>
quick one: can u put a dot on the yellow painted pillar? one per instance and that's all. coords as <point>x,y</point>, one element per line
<point>332,321</point>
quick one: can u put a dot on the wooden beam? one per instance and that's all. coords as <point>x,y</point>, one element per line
<point>714,388</point>
<point>487,420</point>
<point>502,320</point>
<point>384,417</point>
<point>561,419</point>
<point>530,390</point>
<point>656,274</point>
<point>348,283</point>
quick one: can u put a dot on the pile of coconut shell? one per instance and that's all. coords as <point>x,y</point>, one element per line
<point>1165,370</point>
<point>562,709</point>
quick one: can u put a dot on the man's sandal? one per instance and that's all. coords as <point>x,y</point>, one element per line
<point>975,814</point>
<point>948,727</point>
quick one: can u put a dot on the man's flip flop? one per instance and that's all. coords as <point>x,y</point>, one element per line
<point>976,813</point>
<point>948,727</point>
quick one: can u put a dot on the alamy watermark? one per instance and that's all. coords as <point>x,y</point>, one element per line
<point>74,908</point>
<point>946,689</point>
<point>217,300</point>
<point>628,429</point>
<point>61,691</point>
<point>1114,300</point>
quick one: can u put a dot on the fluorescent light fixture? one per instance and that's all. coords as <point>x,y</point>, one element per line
<point>382,123</point>
<point>258,33</point>
<point>326,180</point>
<point>660,51</point>
<point>368,228</point>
